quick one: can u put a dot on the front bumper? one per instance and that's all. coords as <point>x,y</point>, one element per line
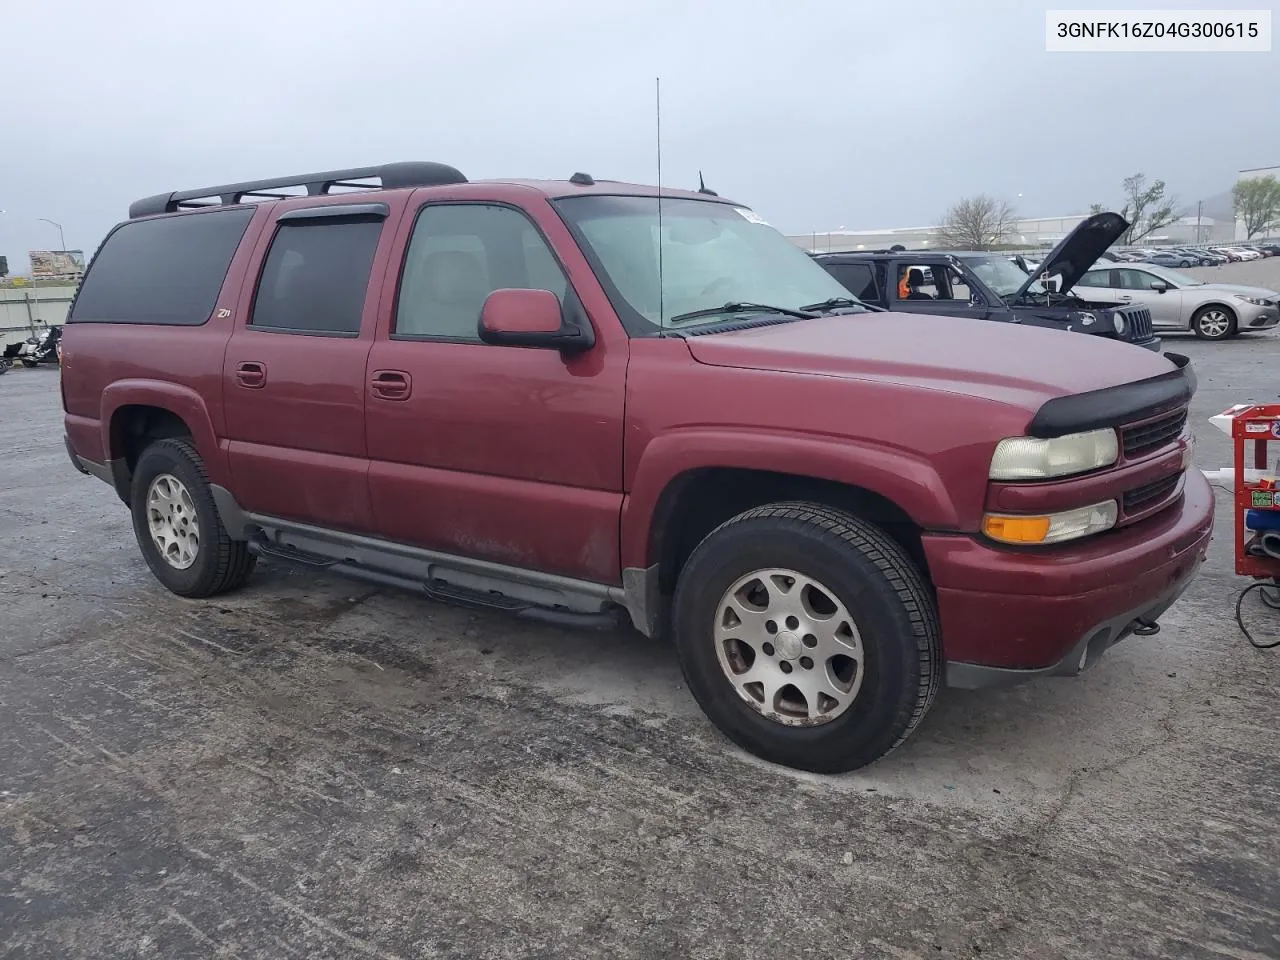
<point>1009,614</point>
<point>1258,318</point>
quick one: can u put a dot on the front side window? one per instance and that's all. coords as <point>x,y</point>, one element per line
<point>459,254</point>
<point>662,266</point>
<point>316,276</point>
<point>1175,278</point>
<point>1136,280</point>
<point>917,282</point>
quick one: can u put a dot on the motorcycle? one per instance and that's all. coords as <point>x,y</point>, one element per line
<point>35,350</point>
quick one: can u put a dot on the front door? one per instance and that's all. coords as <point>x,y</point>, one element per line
<point>1135,288</point>
<point>935,288</point>
<point>506,454</point>
<point>294,369</point>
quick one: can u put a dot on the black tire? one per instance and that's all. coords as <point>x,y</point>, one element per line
<point>1184,264</point>
<point>29,364</point>
<point>221,564</point>
<point>1202,316</point>
<point>887,598</point>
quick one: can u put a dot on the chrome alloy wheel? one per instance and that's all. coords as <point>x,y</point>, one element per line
<point>171,519</point>
<point>789,647</point>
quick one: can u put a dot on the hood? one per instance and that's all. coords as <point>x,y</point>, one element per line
<point>1261,293</point>
<point>1011,363</point>
<point>1078,251</point>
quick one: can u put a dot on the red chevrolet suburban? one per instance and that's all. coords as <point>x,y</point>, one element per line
<point>574,399</point>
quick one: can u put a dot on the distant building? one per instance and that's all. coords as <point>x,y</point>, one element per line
<point>1038,233</point>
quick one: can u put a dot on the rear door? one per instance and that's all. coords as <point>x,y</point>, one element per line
<point>858,278</point>
<point>499,453</point>
<point>294,368</point>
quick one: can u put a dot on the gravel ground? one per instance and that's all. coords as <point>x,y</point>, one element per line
<point>312,768</point>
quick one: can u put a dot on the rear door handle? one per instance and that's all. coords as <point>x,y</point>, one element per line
<point>251,374</point>
<point>391,384</point>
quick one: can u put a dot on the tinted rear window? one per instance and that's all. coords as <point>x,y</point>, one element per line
<point>856,278</point>
<point>167,270</point>
<point>316,276</point>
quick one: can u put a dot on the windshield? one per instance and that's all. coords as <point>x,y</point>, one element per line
<point>1002,276</point>
<point>1173,276</point>
<point>712,254</point>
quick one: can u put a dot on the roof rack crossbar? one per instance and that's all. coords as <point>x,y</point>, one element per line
<point>389,175</point>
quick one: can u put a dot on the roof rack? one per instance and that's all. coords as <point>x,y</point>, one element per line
<point>389,175</point>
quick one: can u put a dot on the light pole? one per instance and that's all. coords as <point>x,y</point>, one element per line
<point>61,239</point>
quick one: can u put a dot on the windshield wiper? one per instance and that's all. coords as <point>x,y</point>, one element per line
<point>734,307</point>
<point>833,303</point>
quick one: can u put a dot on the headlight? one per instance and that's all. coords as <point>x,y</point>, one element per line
<point>1030,458</point>
<point>1052,527</point>
<point>1086,318</point>
<point>1118,322</point>
<point>1256,301</point>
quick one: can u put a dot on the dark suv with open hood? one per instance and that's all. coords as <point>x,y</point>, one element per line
<point>988,286</point>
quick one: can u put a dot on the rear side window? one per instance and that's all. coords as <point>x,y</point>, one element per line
<point>167,270</point>
<point>856,278</point>
<point>316,276</point>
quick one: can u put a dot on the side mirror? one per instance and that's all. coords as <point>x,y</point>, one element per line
<point>1159,286</point>
<point>530,318</point>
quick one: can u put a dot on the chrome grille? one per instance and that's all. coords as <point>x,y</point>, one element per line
<point>1144,437</point>
<point>1150,494</point>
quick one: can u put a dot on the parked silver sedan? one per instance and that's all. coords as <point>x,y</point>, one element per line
<point>1214,311</point>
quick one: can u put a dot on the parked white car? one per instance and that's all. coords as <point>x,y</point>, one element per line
<point>1213,311</point>
<point>1245,253</point>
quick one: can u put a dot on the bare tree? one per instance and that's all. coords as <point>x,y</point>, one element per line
<point>1146,207</point>
<point>1096,208</point>
<point>1257,203</point>
<point>976,223</point>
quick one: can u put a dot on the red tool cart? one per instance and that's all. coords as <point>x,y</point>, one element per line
<point>1256,493</point>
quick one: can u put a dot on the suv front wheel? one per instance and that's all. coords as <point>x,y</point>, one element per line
<point>177,525</point>
<point>808,636</point>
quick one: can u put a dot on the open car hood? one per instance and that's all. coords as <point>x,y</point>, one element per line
<point>1078,251</point>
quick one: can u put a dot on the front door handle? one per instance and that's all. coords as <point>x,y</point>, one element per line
<point>251,374</point>
<point>391,384</point>
<point>1125,296</point>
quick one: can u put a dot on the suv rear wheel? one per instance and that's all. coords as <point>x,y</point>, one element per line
<point>177,525</point>
<point>808,636</point>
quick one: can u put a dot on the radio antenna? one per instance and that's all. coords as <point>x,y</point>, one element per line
<point>657,104</point>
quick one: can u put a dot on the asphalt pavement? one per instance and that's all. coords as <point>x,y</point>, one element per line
<point>312,768</point>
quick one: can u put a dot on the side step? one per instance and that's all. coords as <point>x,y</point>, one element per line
<point>282,551</point>
<point>609,618</point>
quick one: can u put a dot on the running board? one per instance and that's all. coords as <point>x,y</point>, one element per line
<point>477,585</point>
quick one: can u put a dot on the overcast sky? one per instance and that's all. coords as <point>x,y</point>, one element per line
<point>861,113</point>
